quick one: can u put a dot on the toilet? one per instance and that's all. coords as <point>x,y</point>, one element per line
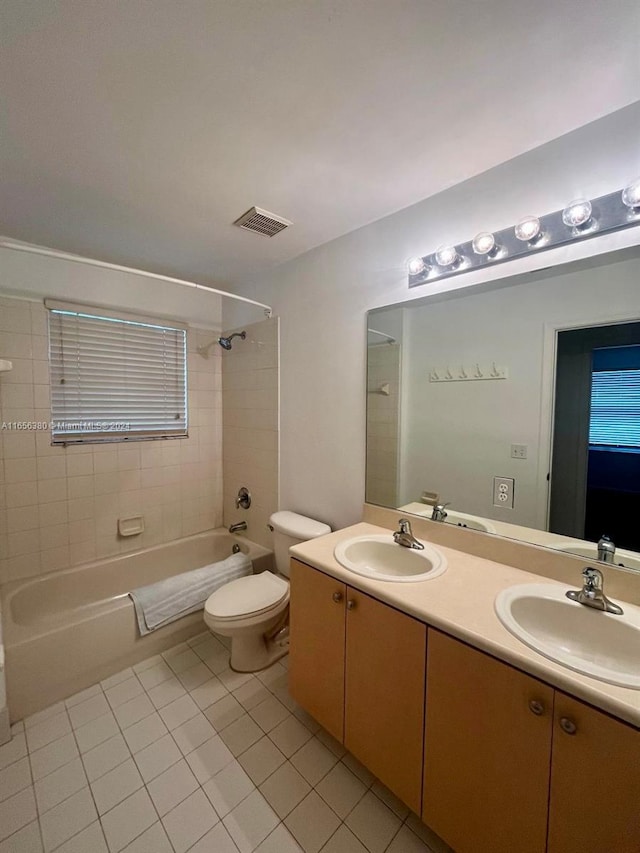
<point>254,611</point>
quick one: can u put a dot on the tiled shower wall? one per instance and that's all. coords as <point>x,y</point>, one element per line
<point>59,506</point>
<point>250,436</point>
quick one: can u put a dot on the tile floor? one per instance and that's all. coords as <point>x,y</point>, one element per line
<point>179,753</point>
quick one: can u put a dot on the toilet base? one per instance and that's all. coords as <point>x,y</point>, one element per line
<point>253,654</point>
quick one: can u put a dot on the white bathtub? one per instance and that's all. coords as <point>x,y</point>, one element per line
<point>67,630</point>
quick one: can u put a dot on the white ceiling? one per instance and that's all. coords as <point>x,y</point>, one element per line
<point>137,131</point>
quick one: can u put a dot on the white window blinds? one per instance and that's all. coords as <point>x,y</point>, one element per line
<point>615,408</point>
<point>115,379</point>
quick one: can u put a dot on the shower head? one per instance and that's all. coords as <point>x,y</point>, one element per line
<point>225,343</point>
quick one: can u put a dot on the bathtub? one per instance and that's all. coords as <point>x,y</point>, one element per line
<point>65,631</point>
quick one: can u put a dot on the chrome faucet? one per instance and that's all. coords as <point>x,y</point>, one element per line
<point>405,537</point>
<point>592,593</point>
<point>606,550</point>
<point>439,512</point>
<point>236,528</point>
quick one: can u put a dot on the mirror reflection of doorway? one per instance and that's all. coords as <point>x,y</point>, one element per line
<point>595,480</point>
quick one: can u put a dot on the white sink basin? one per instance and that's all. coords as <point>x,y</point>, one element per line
<point>379,557</point>
<point>589,551</point>
<point>602,645</point>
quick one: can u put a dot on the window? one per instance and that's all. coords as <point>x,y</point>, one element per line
<point>115,378</point>
<point>615,398</point>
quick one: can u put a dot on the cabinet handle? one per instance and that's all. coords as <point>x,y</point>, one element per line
<point>536,707</point>
<point>337,597</point>
<point>568,726</point>
<point>350,604</point>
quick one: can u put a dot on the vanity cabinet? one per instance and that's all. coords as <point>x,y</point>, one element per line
<point>357,666</point>
<point>505,753</point>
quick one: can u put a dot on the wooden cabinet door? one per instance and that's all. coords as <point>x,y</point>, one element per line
<point>487,751</point>
<point>316,650</point>
<point>595,782</point>
<point>384,694</point>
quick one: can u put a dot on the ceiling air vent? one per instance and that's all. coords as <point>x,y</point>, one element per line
<point>262,222</point>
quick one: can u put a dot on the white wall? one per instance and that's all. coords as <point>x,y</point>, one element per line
<point>322,297</point>
<point>458,435</point>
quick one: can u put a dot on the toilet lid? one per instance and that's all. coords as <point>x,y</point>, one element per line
<point>247,596</point>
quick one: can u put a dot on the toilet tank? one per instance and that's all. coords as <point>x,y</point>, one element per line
<point>289,529</point>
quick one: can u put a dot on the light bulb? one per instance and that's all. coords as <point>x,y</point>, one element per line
<point>447,256</point>
<point>577,214</point>
<point>484,243</point>
<point>528,229</point>
<point>631,195</point>
<point>415,266</point>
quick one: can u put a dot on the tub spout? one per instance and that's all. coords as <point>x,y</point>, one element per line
<point>236,528</point>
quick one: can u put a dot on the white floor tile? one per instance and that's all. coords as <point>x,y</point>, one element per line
<point>147,663</point>
<point>217,840</point>
<point>284,789</point>
<point>232,680</point>
<point>25,840</point>
<point>145,732</point>
<point>273,674</point>
<point>331,743</point>
<point>343,841</point>
<point>358,769</point>
<point>67,819</point>
<point>193,733</point>
<point>312,823</point>
<point>269,714</point>
<point>341,790</point>
<point>124,691</point>
<point>184,660</point>
<point>290,735</point>
<point>209,692</point>
<point>433,842</point>
<point>96,732</point>
<point>14,778</point>
<point>229,787</point>
<point>209,759</point>
<point>131,712</point>
<point>194,676</point>
<point>373,823</point>
<point>251,694</point>
<point>154,675</point>
<point>166,692</point>
<point>17,811</point>
<point>261,759</point>
<point>154,759</point>
<point>314,761</point>
<point>92,708</point>
<point>189,821</point>
<point>217,660</point>
<point>105,757</point>
<point>90,840</point>
<point>406,842</point>
<point>48,731</point>
<point>45,714</point>
<point>128,820</point>
<point>241,734</point>
<point>152,840</point>
<point>389,799</point>
<point>60,785</point>
<point>172,787</point>
<point>115,786</point>
<point>117,678</point>
<point>179,711</point>
<point>280,841</point>
<point>15,749</point>
<point>53,756</point>
<point>83,695</point>
<point>224,712</point>
<point>251,822</point>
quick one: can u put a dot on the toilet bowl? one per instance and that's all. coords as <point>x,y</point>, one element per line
<point>254,611</point>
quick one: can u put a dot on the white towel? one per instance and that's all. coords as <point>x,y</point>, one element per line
<point>163,602</point>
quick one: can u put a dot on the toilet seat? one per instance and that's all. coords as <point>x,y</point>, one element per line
<point>249,596</point>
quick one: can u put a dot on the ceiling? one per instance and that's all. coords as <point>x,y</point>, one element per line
<point>138,132</point>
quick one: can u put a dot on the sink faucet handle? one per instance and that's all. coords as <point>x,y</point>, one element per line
<point>405,525</point>
<point>593,579</point>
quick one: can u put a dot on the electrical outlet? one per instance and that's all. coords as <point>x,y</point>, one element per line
<point>503,492</point>
<point>518,451</point>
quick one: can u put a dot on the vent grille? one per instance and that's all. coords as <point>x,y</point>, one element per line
<point>262,222</point>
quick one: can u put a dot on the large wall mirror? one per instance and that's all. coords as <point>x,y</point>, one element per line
<point>517,406</point>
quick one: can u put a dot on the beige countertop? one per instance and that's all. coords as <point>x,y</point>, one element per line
<point>461,603</point>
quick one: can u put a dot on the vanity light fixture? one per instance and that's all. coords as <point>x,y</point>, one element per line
<point>447,256</point>
<point>631,196</point>
<point>582,219</point>
<point>484,243</point>
<point>577,214</point>
<point>415,266</point>
<point>529,230</point>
